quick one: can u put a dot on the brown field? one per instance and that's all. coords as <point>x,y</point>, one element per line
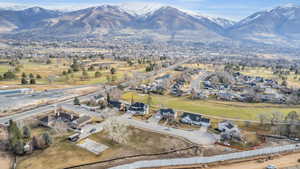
<point>64,153</point>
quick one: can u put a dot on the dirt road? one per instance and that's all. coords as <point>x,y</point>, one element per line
<point>281,162</point>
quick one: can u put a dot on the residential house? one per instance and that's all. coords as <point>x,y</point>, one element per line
<point>194,119</point>
<point>118,105</point>
<point>81,121</point>
<point>229,130</point>
<point>46,121</point>
<point>166,113</point>
<point>66,117</point>
<point>138,108</point>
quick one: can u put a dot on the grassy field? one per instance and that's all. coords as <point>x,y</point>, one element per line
<point>237,110</point>
<point>56,68</point>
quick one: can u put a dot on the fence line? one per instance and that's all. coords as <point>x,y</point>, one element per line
<point>132,156</point>
<point>212,159</point>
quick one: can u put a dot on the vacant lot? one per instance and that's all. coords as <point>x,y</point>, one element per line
<point>237,110</point>
<point>63,153</point>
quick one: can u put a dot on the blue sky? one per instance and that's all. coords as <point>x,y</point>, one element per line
<point>232,9</point>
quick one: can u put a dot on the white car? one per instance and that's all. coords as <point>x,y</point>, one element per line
<point>271,167</point>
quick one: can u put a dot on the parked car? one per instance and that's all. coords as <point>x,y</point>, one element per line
<point>92,130</point>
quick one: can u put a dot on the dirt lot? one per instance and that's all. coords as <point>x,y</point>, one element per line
<point>63,153</point>
<point>281,162</point>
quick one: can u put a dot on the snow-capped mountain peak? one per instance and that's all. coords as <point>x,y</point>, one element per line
<point>137,8</point>
<point>289,5</point>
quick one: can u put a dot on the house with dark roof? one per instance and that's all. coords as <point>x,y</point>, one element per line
<point>194,119</point>
<point>138,108</point>
<point>118,105</point>
<point>66,117</point>
<point>166,113</point>
<point>46,121</point>
<point>228,127</point>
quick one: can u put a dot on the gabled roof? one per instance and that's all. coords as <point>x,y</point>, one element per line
<point>115,103</point>
<point>193,117</point>
<point>166,111</point>
<point>45,119</point>
<point>138,104</point>
<point>205,120</point>
<point>66,116</point>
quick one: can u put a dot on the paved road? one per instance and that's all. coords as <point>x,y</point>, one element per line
<point>206,160</point>
<point>90,129</point>
<point>40,110</point>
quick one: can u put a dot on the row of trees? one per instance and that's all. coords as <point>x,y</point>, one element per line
<point>281,124</point>
<point>29,79</point>
<point>75,67</point>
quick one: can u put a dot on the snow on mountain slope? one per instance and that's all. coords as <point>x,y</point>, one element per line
<point>138,8</point>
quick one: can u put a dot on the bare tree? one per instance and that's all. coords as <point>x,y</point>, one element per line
<point>276,117</point>
<point>263,118</point>
<point>117,131</point>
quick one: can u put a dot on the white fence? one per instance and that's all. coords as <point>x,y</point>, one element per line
<point>205,160</point>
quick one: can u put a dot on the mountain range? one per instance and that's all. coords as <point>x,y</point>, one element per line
<point>280,25</point>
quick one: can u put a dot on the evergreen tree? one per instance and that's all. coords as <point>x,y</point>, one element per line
<point>47,139</point>
<point>32,81</point>
<point>24,81</point>
<point>26,132</point>
<point>76,101</point>
<point>113,71</point>
<point>24,75</point>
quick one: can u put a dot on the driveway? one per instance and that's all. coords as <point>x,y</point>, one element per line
<point>90,129</point>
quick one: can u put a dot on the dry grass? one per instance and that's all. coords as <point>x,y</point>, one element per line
<point>63,153</point>
<point>56,68</point>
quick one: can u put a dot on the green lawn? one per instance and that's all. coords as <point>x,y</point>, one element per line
<point>248,111</point>
<point>3,68</point>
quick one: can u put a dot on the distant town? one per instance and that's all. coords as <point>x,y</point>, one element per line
<point>127,102</point>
